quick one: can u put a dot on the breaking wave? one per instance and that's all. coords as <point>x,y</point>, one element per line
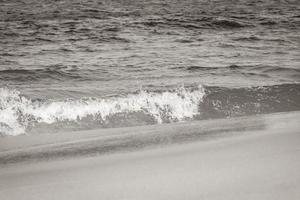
<point>19,114</point>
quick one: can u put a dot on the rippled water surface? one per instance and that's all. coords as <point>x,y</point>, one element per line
<point>66,51</point>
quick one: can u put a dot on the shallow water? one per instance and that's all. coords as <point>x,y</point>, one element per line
<point>151,54</point>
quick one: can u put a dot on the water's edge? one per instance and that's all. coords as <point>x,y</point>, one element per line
<point>44,147</point>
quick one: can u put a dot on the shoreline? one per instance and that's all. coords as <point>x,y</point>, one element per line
<point>106,141</point>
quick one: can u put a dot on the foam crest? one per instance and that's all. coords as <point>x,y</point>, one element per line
<point>18,112</point>
<point>11,104</point>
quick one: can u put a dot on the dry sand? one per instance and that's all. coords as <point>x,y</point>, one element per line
<point>254,163</point>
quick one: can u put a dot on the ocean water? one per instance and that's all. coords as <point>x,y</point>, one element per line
<point>85,64</point>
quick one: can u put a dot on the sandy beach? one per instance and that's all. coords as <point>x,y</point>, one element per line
<point>244,163</point>
<point>149,100</point>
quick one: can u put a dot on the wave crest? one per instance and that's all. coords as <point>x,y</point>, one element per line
<point>18,113</point>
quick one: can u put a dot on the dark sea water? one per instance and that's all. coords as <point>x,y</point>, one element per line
<point>84,64</point>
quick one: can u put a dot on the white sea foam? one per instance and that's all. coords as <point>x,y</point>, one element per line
<point>17,112</point>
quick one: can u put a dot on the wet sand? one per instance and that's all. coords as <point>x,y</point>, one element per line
<point>253,163</point>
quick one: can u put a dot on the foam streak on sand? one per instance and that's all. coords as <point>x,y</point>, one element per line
<point>102,141</point>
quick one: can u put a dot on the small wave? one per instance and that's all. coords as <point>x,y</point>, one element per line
<point>228,23</point>
<point>229,67</point>
<point>268,23</point>
<point>184,40</point>
<point>247,39</point>
<point>56,72</point>
<point>270,69</point>
<point>18,113</point>
<point>200,68</point>
<point>226,102</point>
<point>263,69</point>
